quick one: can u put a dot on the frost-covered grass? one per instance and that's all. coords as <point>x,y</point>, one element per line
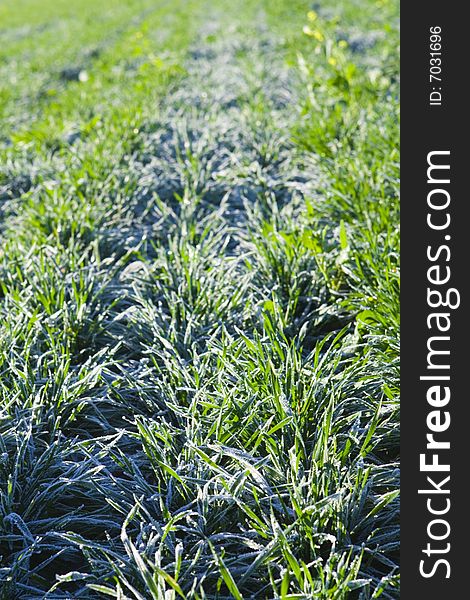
<point>199,300</point>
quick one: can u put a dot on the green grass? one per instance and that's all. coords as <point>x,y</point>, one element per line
<point>199,300</point>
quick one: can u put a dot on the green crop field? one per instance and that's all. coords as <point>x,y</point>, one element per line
<point>199,299</point>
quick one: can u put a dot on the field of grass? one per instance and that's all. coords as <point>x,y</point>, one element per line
<point>199,299</point>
